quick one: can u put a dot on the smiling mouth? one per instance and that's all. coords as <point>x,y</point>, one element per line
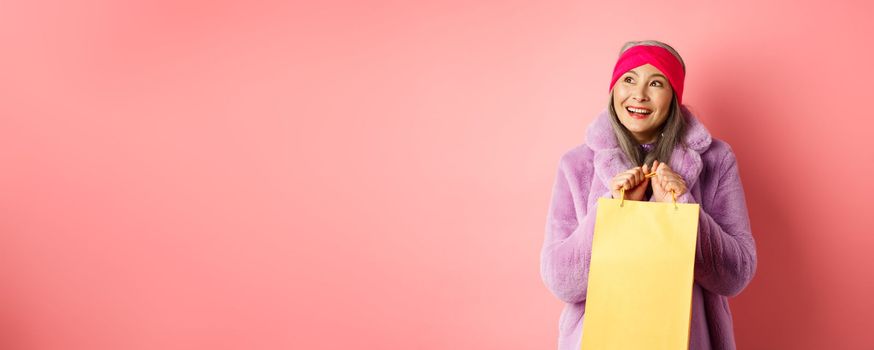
<point>640,111</point>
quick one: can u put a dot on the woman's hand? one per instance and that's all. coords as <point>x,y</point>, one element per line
<point>634,182</point>
<point>666,180</point>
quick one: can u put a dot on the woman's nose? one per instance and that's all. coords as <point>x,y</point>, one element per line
<point>639,94</point>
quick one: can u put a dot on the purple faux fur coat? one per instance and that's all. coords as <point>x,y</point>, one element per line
<point>725,259</point>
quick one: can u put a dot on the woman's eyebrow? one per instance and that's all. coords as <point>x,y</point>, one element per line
<point>655,75</point>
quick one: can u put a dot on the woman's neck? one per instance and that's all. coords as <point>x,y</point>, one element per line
<point>646,139</point>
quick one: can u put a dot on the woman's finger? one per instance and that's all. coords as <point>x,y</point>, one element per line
<point>623,182</point>
<point>667,167</point>
<point>678,187</point>
<point>672,178</point>
<point>629,176</point>
<point>671,186</point>
<point>679,180</point>
<point>618,183</point>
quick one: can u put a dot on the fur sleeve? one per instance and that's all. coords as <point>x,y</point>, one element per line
<point>725,260</point>
<point>566,251</point>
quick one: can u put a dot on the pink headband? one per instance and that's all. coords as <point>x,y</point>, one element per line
<point>657,56</point>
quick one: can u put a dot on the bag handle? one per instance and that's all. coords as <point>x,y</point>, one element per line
<point>622,193</point>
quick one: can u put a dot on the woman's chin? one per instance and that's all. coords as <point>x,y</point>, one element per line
<point>636,127</point>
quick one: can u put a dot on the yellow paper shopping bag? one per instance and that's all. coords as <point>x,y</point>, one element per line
<point>640,276</point>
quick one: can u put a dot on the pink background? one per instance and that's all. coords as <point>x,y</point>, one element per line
<point>259,175</point>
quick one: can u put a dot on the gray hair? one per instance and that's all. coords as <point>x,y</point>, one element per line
<point>671,133</point>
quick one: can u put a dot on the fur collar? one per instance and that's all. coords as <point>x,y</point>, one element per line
<point>609,159</point>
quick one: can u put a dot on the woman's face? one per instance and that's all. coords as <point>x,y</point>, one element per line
<point>646,88</point>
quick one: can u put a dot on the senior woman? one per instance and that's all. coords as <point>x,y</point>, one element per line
<point>646,128</point>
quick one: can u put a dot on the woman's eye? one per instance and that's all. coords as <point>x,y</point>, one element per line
<point>658,83</point>
<point>627,79</point>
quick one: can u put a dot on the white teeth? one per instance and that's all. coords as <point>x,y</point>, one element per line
<point>639,111</point>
